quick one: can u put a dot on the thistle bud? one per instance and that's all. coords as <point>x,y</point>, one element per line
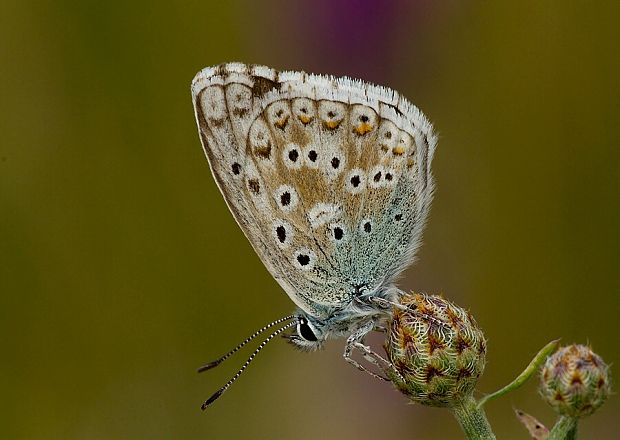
<point>575,381</point>
<point>436,349</point>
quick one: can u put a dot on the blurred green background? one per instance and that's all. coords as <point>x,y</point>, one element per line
<point>121,270</point>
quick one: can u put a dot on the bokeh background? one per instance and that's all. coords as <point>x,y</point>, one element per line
<point>121,270</point>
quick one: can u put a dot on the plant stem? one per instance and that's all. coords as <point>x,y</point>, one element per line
<point>564,429</point>
<point>532,368</point>
<point>473,420</point>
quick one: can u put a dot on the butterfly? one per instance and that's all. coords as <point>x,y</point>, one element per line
<point>330,180</point>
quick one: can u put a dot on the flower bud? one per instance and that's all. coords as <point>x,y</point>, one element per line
<point>437,350</point>
<point>575,381</point>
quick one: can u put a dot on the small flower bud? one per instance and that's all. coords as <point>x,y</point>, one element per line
<point>437,350</point>
<point>575,381</point>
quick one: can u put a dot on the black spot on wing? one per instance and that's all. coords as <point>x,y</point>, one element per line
<point>285,198</point>
<point>303,259</point>
<point>338,233</point>
<point>262,86</point>
<point>281,232</point>
<point>254,186</point>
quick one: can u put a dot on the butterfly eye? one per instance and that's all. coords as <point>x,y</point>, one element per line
<point>305,330</point>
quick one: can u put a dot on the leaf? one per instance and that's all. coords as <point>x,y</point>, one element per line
<point>537,430</point>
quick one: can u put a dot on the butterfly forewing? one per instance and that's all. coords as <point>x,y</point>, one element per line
<point>329,178</point>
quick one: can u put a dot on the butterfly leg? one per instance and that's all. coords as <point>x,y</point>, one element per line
<point>347,357</point>
<point>376,359</point>
<point>386,304</point>
<point>353,342</point>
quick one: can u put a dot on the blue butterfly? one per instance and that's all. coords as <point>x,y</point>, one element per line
<point>330,181</point>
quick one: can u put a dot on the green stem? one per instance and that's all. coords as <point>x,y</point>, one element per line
<point>564,429</point>
<point>473,420</point>
<point>532,368</point>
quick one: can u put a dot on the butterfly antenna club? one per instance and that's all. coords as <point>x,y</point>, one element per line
<point>216,362</point>
<point>219,392</point>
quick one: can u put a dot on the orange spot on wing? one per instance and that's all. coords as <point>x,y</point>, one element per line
<point>332,124</point>
<point>305,119</point>
<point>398,150</point>
<point>363,128</point>
<point>281,124</point>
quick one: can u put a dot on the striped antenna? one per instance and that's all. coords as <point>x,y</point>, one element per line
<point>219,392</point>
<point>216,362</point>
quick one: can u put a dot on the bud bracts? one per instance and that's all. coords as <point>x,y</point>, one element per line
<point>437,350</point>
<point>575,381</point>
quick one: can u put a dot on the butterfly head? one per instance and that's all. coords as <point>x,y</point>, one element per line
<point>308,334</point>
<point>311,332</point>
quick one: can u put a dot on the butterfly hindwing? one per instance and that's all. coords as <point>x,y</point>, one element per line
<point>329,178</point>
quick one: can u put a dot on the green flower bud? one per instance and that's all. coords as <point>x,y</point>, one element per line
<point>575,381</point>
<point>437,350</point>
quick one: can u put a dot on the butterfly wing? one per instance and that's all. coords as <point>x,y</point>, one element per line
<point>329,178</point>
